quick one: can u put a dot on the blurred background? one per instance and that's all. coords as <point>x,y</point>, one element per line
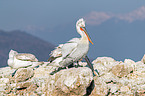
<point>116,27</point>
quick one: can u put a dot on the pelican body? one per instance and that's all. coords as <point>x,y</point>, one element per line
<point>74,50</point>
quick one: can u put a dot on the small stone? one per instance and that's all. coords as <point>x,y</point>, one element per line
<point>121,70</point>
<point>4,80</point>
<point>103,60</point>
<point>113,87</point>
<point>143,59</point>
<point>23,74</point>
<point>101,88</point>
<point>23,85</point>
<point>140,67</point>
<point>2,87</point>
<point>83,64</point>
<point>125,89</point>
<point>6,72</point>
<point>43,72</point>
<point>109,77</point>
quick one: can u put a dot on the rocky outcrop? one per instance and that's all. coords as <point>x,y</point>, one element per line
<point>39,82</point>
<point>119,78</point>
<point>124,78</point>
<point>27,76</point>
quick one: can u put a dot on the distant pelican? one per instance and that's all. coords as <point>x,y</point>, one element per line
<point>74,50</point>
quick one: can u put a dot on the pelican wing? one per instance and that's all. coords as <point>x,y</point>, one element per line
<point>57,52</point>
<point>69,47</point>
<point>74,40</point>
<point>64,49</point>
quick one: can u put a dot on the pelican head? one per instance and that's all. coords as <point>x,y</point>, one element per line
<point>80,26</point>
<point>81,23</point>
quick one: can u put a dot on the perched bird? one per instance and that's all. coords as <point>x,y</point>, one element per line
<point>74,50</point>
<point>20,60</point>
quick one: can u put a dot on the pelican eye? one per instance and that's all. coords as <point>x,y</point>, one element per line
<point>80,22</point>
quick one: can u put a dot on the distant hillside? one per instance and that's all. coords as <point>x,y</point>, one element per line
<point>22,42</point>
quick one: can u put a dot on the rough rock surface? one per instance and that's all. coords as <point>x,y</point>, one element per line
<point>119,78</point>
<point>39,82</point>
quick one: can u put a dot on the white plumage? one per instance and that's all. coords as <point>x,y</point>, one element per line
<point>74,50</point>
<point>19,60</point>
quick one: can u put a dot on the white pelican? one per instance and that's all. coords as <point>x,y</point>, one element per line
<point>19,60</point>
<point>74,50</point>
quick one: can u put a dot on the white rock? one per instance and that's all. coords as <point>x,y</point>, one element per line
<point>123,81</point>
<point>23,74</point>
<point>109,77</point>
<point>114,87</point>
<point>83,64</point>
<point>103,59</point>
<point>2,87</point>
<point>4,80</point>
<point>104,64</point>
<point>140,67</point>
<point>74,80</point>
<point>143,59</point>
<point>125,89</point>
<point>6,72</point>
<point>130,63</point>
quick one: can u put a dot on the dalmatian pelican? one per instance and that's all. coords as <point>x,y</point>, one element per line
<point>74,50</point>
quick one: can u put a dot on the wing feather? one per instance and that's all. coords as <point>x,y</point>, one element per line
<point>64,50</point>
<point>69,47</point>
<point>57,52</point>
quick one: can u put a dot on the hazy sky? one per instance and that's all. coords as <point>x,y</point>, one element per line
<point>18,14</point>
<point>46,14</point>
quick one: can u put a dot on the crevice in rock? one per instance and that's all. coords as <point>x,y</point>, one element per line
<point>90,88</point>
<point>22,88</point>
<point>111,82</point>
<point>108,93</point>
<point>14,72</point>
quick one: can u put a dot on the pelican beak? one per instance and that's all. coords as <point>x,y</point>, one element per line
<point>84,29</point>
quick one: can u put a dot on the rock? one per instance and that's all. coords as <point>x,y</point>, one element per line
<point>113,87</point>
<point>23,74</point>
<point>140,67</point>
<point>101,88</point>
<point>4,80</point>
<point>125,89</point>
<point>116,78</point>
<point>104,60</point>
<point>43,71</point>
<point>22,88</point>
<point>130,63</point>
<point>109,77</point>
<point>104,64</point>
<point>23,85</point>
<point>73,81</point>
<point>83,64</point>
<point>121,70</point>
<point>18,60</point>
<point>66,82</point>
<point>6,72</point>
<point>143,59</point>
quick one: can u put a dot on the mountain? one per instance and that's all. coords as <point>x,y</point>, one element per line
<point>24,43</point>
